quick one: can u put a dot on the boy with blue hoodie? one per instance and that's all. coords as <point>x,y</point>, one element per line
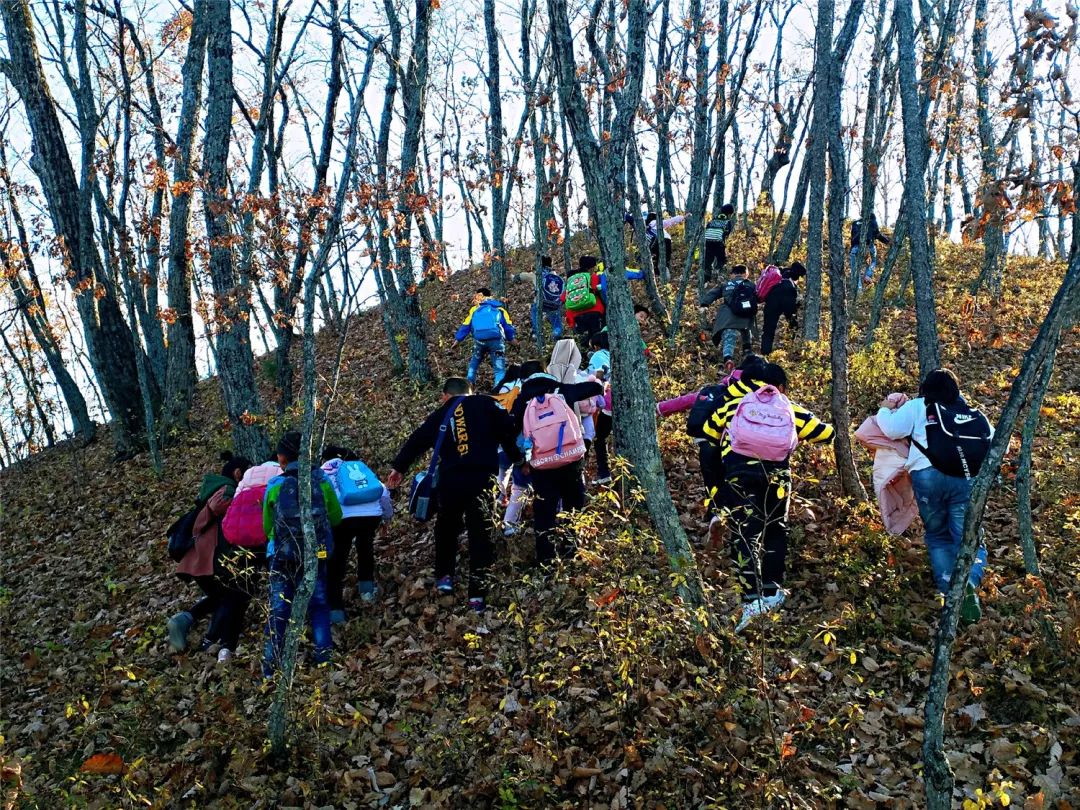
<point>491,328</point>
<point>285,551</point>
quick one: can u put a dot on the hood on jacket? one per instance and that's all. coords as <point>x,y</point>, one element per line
<point>212,483</point>
<point>565,361</point>
<point>259,475</point>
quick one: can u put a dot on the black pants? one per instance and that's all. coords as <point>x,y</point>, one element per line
<point>466,501</point>
<point>712,474</point>
<point>209,606</point>
<point>604,424</point>
<point>352,531</point>
<point>589,323</point>
<point>773,313</point>
<point>550,488</point>
<point>759,529</point>
<point>715,256</point>
<point>238,572</point>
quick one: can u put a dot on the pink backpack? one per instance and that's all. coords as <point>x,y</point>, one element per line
<point>243,521</point>
<point>763,426</point>
<point>555,432</point>
<point>769,279</point>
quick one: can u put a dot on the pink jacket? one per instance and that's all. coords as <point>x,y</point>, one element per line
<point>677,405</point>
<point>892,483</point>
<point>258,476</point>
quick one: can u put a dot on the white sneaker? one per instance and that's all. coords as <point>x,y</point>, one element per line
<point>760,607</point>
<point>225,655</point>
<point>776,600</point>
<point>750,611</point>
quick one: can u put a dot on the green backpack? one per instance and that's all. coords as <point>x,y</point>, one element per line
<point>579,293</point>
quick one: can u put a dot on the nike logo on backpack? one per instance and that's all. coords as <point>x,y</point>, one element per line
<point>963,419</point>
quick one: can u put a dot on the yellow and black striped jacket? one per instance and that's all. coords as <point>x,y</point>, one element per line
<point>808,427</point>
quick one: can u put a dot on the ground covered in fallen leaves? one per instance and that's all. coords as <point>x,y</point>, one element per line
<point>593,689</point>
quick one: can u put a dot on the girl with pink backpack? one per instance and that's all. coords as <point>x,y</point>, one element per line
<point>755,429</point>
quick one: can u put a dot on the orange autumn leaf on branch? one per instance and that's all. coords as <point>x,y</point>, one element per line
<point>103,764</point>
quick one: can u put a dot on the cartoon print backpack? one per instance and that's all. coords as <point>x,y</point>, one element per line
<point>579,293</point>
<point>555,432</point>
<point>487,321</point>
<point>551,289</point>
<point>357,484</point>
<point>763,426</point>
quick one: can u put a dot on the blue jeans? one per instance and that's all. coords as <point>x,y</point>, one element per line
<point>284,580</point>
<point>496,347</point>
<point>728,339</point>
<point>857,272</point>
<point>552,316</point>
<point>943,500</point>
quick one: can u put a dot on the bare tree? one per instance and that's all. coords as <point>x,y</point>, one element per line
<point>108,338</point>
<point>603,161</point>
<point>232,301</point>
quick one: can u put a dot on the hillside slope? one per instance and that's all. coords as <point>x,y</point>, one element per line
<point>593,689</point>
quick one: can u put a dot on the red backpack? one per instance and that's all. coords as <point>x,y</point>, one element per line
<point>769,279</point>
<point>243,521</point>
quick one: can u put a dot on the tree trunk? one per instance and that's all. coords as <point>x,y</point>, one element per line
<point>496,168</point>
<point>850,484</point>
<point>603,168</point>
<point>816,159</point>
<point>937,773</point>
<point>414,98</point>
<point>231,295</point>
<point>915,152</point>
<point>107,336</point>
<point>180,372</point>
<point>793,226</point>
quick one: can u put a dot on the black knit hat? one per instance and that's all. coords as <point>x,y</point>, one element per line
<point>289,445</point>
<point>586,263</point>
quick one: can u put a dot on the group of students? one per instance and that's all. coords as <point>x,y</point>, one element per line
<point>247,519</point>
<point>534,432</point>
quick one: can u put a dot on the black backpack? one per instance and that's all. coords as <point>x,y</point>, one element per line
<point>743,300</point>
<point>181,533</point>
<point>704,406</point>
<point>957,438</point>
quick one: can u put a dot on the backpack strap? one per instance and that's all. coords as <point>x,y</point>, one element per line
<point>442,435</point>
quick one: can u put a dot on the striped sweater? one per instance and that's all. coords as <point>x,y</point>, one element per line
<point>808,427</point>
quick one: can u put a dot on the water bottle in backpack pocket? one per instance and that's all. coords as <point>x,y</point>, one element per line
<point>554,431</point>
<point>763,426</point>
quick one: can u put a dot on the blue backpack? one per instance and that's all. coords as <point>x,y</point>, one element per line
<point>552,289</point>
<point>357,484</point>
<point>487,321</point>
<point>288,528</point>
